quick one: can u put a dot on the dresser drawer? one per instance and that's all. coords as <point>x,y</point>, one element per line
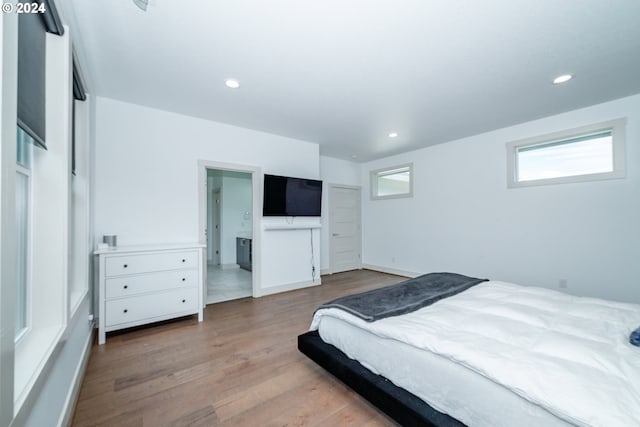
<point>142,307</point>
<point>124,286</point>
<point>145,263</point>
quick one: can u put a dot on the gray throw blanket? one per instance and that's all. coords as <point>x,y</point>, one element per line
<point>403,297</point>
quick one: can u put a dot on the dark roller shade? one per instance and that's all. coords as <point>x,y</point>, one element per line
<point>51,18</point>
<point>73,137</point>
<point>78,88</point>
<point>79,94</point>
<point>31,76</point>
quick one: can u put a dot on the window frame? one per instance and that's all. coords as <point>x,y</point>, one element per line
<point>373,182</point>
<point>49,235</point>
<point>617,129</point>
<point>25,153</point>
<point>79,277</point>
<point>18,337</point>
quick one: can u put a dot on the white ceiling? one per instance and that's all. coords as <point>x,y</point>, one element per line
<point>345,73</point>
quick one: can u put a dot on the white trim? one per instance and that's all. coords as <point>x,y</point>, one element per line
<point>617,127</point>
<point>29,243</point>
<point>68,408</point>
<point>288,287</point>
<point>80,210</point>
<point>74,306</point>
<point>256,201</point>
<point>388,270</point>
<point>22,170</point>
<point>325,271</point>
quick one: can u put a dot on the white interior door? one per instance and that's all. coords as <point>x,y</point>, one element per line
<point>345,238</point>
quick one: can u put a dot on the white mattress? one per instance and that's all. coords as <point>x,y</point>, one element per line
<point>529,367</point>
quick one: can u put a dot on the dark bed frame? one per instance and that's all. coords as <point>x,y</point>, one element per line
<point>396,402</point>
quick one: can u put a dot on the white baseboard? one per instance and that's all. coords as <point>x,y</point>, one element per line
<point>288,287</point>
<point>72,397</point>
<point>388,270</point>
<point>324,271</point>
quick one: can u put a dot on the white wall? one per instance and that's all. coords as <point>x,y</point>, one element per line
<point>146,188</point>
<point>463,218</point>
<point>333,171</point>
<point>236,203</point>
<point>292,253</point>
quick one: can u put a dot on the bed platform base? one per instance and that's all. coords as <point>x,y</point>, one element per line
<point>396,402</point>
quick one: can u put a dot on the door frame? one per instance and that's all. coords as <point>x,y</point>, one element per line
<point>330,241</point>
<point>216,221</point>
<point>256,175</point>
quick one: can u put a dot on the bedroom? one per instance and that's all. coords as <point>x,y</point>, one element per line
<point>581,238</point>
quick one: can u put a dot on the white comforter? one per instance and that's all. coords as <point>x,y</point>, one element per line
<point>568,354</point>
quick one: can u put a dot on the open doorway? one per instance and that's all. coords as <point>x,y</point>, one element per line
<point>227,222</point>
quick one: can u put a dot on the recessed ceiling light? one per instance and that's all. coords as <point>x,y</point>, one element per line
<point>232,83</point>
<point>561,79</point>
<point>393,134</point>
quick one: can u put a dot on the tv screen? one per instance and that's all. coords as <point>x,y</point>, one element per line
<point>286,196</point>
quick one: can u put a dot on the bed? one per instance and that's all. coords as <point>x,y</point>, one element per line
<point>492,354</point>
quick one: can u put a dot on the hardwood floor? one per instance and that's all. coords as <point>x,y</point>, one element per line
<point>240,367</point>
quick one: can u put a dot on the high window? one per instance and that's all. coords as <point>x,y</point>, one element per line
<point>585,154</point>
<point>392,182</point>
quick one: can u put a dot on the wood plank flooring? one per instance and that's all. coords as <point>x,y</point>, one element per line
<point>240,367</point>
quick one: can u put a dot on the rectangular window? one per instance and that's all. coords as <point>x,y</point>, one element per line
<point>42,188</point>
<point>585,154</point>
<point>79,209</point>
<point>24,154</point>
<point>392,182</point>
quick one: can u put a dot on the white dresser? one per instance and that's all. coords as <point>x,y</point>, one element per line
<point>144,284</point>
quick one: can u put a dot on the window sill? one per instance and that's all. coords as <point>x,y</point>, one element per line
<point>31,356</point>
<point>75,299</point>
<point>568,179</point>
<point>392,196</point>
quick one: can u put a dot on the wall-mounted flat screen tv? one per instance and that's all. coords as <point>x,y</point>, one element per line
<point>286,196</point>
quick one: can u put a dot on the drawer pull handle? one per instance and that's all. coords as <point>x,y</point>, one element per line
<point>184,260</point>
<point>125,266</point>
<point>125,310</point>
<point>126,286</point>
<point>184,300</point>
<point>184,279</point>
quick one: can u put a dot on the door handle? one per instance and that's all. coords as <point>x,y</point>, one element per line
<point>335,234</point>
